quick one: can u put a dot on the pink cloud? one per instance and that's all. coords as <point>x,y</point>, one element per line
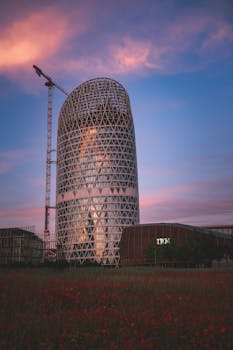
<point>132,54</point>
<point>166,51</point>
<point>125,56</point>
<point>203,203</point>
<point>73,40</point>
<point>32,38</point>
<point>26,212</point>
<point>149,172</point>
<point>39,37</point>
<point>199,211</point>
<point>162,195</point>
<point>22,217</point>
<point>27,216</point>
<point>221,33</point>
<point>11,159</point>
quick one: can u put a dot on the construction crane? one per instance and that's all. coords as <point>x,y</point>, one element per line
<point>49,84</point>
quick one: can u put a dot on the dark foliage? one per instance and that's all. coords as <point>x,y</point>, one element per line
<point>197,250</point>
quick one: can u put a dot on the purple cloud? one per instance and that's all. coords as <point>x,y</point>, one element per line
<point>71,38</point>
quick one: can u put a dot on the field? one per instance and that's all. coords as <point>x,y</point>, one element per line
<point>116,309</point>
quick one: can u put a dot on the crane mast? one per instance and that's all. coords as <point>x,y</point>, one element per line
<point>49,84</point>
<point>48,163</point>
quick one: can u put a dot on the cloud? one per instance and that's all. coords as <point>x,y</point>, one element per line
<point>74,40</point>
<point>41,36</point>
<point>191,42</point>
<point>128,56</point>
<point>35,37</point>
<point>27,216</point>
<point>161,195</point>
<point>221,33</point>
<point>22,213</point>
<point>22,217</point>
<point>200,211</point>
<point>133,54</point>
<point>11,159</point>
<point>183,44</point>
<point>150,172</point>
<point>190,203</point>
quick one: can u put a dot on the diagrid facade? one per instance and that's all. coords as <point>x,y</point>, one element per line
<point>97,185</point>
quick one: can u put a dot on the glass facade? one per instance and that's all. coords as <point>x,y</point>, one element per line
<point>97,185</point>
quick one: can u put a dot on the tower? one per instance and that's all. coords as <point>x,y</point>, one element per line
<point>97,184</point>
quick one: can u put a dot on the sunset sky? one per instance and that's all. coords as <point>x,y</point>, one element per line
<point>175,59</point>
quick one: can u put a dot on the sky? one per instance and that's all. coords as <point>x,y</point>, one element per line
<point>174,58</point>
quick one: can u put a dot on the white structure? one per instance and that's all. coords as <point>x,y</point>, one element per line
<point>97,185</point>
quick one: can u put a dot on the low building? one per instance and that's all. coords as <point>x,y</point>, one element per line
<point>20,246</point>
<point>136,239</point>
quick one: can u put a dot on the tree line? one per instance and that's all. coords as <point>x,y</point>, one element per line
<point>197,250</point>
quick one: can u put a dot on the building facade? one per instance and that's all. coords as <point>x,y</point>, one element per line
<point>19,246</point>
<point>97,184</point>
<point>136,239</point>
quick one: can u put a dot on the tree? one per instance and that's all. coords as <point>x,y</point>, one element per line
<point>198,249</point>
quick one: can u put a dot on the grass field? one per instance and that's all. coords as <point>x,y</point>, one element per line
<point>127,308</point>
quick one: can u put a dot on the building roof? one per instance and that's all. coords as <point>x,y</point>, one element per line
<point>17,231</point>
<point>205,230</point>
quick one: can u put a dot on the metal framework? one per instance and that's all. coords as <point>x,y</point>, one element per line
<point>48,164</point>
<point>97,184</point>
<point>49,84</point>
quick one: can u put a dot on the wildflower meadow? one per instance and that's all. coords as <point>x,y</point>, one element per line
<point>116,309</point>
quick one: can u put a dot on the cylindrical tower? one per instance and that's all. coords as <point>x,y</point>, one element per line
<point>97,184</point>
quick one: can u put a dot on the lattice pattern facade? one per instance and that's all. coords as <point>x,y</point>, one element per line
<point>97,185</point>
